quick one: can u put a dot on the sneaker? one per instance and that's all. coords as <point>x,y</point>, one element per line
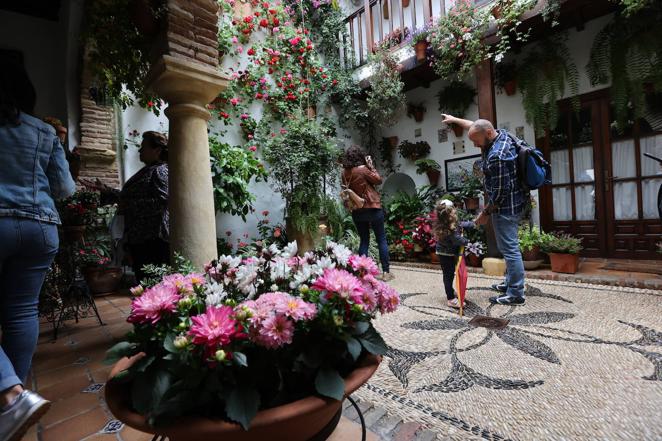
<point>386,277</point>
<point>454,303</point>
<point>21,415</point>
<point>499,287</point>
<point>508,300</point>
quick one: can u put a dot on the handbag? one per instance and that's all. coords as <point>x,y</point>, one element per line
<point>350,199</point>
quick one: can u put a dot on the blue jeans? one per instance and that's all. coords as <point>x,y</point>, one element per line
<point>505,230</point>
<point>27,251</point>
<point>364,219</point>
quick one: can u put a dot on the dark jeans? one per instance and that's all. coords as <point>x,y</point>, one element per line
<point>27,249</point>
<point>364,219</point>
<point>448,269</point>
<point>152,252</point>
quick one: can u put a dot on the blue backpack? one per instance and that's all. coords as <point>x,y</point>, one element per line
<point>532,168</point>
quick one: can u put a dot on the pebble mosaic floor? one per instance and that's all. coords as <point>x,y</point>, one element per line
<point>577,362</point>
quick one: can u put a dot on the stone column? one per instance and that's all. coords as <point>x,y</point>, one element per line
<point>188,86</point>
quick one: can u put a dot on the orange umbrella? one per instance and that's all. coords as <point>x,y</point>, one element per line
<point>461,276</point>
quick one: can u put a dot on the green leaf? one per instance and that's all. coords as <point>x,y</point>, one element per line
<point>329,383</point>
<point>373,342</point>
<point>242,403</point>
<point>354,348</point>
<point>142,364</point>
<point>119,351</point>
<point>240,358</point>
<point>361,328</point>
<point>169,344</point>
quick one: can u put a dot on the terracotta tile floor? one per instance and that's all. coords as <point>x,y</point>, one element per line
<point>70,373</point>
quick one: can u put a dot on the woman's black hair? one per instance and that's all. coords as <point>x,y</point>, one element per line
<point>158,140</point>
<point>17,93</point>
<point>354,156</point>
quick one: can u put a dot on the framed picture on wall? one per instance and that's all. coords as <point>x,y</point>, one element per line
<point>454,169</point>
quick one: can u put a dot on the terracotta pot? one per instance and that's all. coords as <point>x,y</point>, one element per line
<point>510,87</point>
<point>433,177</point>
<point>418,115</point>
<point>530,265</point>
<point>473,260</point>
<point>458,130</point>
<point>421,48</point>
<point>102,281</point>
<point>405,3</point>
<point>393,141</point>
<point>141,15</point>
<point>496,11</point>
<point>311,112</point>
<point>564,263</point>
<point>73,233</point>
<point>471,203</point>
<point>531,255</point>
<point>434,257</point>
<point>301,420</point>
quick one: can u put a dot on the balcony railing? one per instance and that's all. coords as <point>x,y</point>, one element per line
<point>378,20</point>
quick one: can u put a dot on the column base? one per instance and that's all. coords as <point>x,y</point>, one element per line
<point>494,267</point>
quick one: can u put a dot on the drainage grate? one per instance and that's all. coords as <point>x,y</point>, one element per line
<point>484,321</point>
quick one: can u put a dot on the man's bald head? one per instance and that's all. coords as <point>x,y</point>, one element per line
<point>481,133</point>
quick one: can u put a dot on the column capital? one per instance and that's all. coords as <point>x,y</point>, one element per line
<point>181,81</point>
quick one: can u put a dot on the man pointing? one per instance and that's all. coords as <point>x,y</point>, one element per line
<point>505,201</point>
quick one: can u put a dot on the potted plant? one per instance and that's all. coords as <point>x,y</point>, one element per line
<point>417,111</point>
<point>474,252</point>
<point>563,251</point>
<point>424,241</point>
<point>419,41</point>
<point>506,77</point>
<point>429,167</point>
<point>530,241</point>
<point>258,347</point>
<point>301,156</point>
<point>455,99</point>
<point>414,151</point>
<point>386,99</point>
<point>95,262</point>
<point>76,212</point>
<point>386,148</point>
<point>471,190</point>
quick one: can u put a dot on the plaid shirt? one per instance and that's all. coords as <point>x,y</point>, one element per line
<point>502,186</point>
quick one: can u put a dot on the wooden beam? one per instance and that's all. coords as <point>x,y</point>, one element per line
<point>485,87</point>
<point>368,27</point>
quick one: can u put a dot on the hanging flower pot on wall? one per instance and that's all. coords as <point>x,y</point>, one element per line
<point>421,48</point>
<point>510,87</point>
<point>458,130</point>
<point>393,141</point>
<point>433,177</point>
<point>405,3</point>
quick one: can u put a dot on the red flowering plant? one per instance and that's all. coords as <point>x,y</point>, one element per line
<point>405,238</point>
<point>79,209</point>
<point>251,333</point>
<point>93,255</point>
<point>423,235</point>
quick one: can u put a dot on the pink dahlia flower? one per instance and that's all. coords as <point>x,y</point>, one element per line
<point>296,308</point>
<point>339,282</point>
<point>216,327</point>
<point>150,306</point>
<point>389,299</point>
<point>275,331</point>
<point>363,264</point>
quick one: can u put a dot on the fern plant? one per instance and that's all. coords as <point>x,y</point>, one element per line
<point>386,99</point>
<point>542,79</point>
<point>628,52</point>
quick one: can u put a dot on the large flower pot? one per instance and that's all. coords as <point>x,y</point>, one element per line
<point>564,263</point>
<point>311,418</point>
<point>434,257</point>
<point>393,141</point>
<point>532,254</point>
<point>471,203</point>
<point>73,233</point>
<point>102,281</point>
<point>473,260</point>
<point>421,48</point>
<point>433,177</point>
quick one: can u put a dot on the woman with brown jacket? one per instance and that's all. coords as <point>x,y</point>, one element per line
<point>360,175</point>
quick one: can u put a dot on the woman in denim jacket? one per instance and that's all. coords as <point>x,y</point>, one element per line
<point>33,172</point>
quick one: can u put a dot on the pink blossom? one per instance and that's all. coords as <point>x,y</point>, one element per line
<point>244,116</point>
<point>235,40</point>
<point>234,101</point>
<point>216,327</point>
<point>294,41</point>
<point>363,264</point>
<point>295,308</point>
<point>276,331</point>
<point>389,299</point>
<point>340,282</point>
<point>153,304</point>
<point>252,148</point>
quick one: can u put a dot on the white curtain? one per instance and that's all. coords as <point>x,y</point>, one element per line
<point>585,202</point>
<point>649,167</point>
<point>560,167</point>
<point>624,166</point>
<point>562,204</point>
<point>582,162</point>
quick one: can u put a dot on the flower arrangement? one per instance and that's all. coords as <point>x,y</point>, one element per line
<point>426,165</point>
<point>413,151</point>
<point>472,185</point>
<point>79,208</point>
<point>422,234</point>
<point>93,255</point>
<point>561,244</point>
<point>475,248</point>
<point>394,38</point>
<point>456,98</point>
<point>248,333</point>
<point>455,39</point>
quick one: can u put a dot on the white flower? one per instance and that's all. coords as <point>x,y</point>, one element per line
<point>301,277</point>
<point>498,58</point>
<point>273,249</point>
<point>245,277</point>
<point>341,253</point>
<point>322,264</point>
<point>467,36</point>
<point>280,269</point>
<point>215,294</point>
<point>290,250</point>
<point>229,261</point>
